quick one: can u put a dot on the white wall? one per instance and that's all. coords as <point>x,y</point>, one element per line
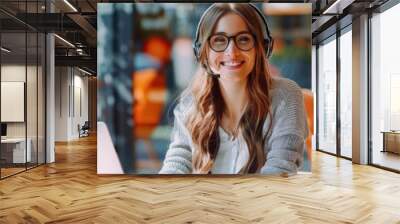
<point>71,93</point>
<point>61,103</point>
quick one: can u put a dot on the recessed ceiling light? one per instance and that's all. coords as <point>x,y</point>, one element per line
<point>337,7</point>
<point>70,5</point>
<point>84,71</point>
<point>5,50</point>
<point>65,41</point>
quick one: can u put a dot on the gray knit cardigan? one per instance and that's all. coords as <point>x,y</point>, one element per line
<point>283,148</point>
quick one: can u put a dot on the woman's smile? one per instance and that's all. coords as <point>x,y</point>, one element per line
<point>232,64</point>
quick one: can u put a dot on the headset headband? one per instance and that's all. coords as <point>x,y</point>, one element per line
<point>268,41</point>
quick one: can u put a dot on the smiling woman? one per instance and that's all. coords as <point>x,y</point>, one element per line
<point>236,118</point>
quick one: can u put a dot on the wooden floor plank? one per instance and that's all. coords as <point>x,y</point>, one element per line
<point>70,191</point>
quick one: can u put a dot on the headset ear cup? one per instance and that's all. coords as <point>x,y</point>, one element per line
<point>269,47</point>
<point>268,41</point>
<point>266,48</point>
<point>196,49</point>
<point>195,52</point>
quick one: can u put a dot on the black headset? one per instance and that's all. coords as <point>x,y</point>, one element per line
<point>268,41</point>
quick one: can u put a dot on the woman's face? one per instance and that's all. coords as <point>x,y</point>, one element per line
<point>234,63</point>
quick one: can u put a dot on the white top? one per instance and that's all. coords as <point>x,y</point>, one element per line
<point>232,154</point>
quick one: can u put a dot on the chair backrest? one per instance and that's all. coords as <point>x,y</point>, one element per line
<point>86,125</point>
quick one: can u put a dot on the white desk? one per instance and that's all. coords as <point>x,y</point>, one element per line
<point>18,150</point>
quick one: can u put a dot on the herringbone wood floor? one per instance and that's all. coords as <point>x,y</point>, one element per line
<point>69,191</point>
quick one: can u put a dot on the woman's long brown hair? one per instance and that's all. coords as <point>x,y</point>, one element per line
<point>204,121</point>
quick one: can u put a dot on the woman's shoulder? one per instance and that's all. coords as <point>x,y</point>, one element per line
<point>287,107</point>
<point>280,84</point>
<point>185,103</point>
<point>283,89</point>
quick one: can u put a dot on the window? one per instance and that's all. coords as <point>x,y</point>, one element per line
<point>385,87</point>
<point>22,77</point>
<point>327,96</point>
<point>346,94</point>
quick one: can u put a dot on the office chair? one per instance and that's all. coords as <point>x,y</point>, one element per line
<point>84,130</point>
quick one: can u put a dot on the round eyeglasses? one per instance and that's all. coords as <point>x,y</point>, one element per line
<point>243,40</point>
